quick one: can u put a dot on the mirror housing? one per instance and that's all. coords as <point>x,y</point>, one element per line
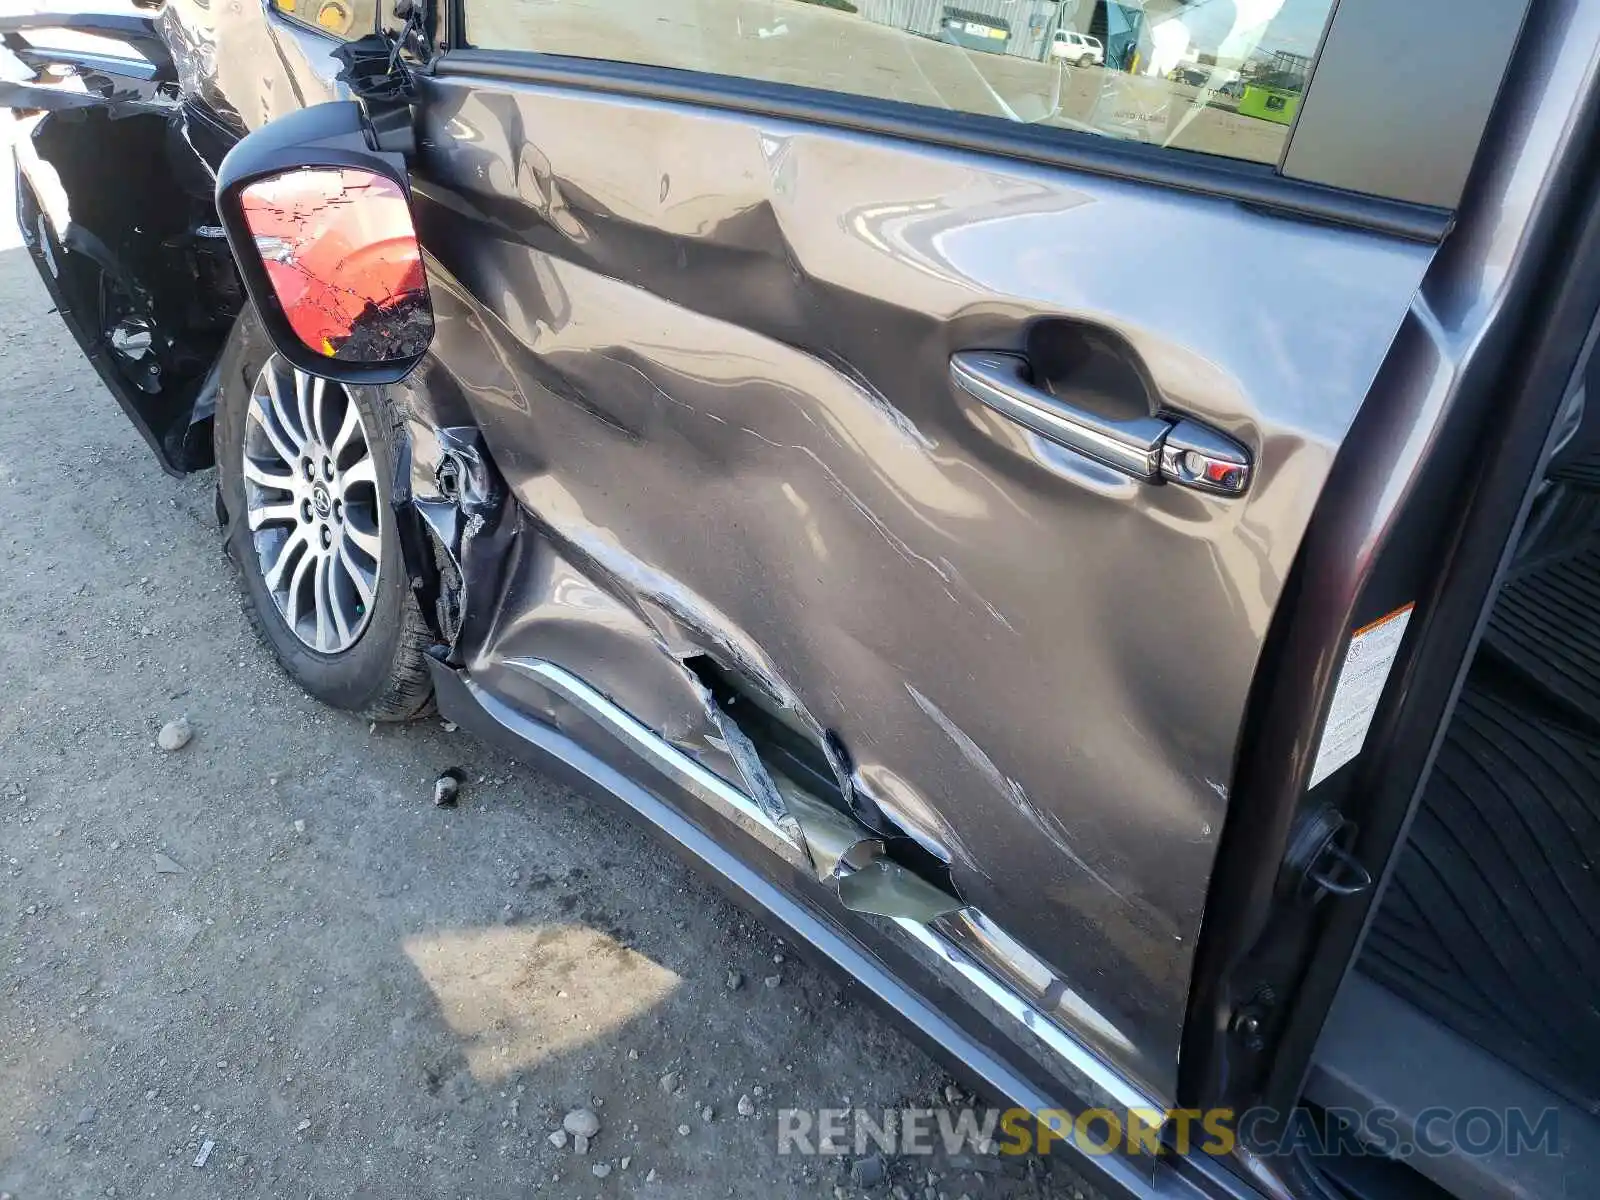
<point>321,229</point>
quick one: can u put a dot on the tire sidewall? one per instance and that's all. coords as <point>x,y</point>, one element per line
<point>357,678</point>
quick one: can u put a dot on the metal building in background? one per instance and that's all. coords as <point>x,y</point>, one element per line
<point>1017,27</point>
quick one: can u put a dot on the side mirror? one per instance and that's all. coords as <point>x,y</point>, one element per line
<point>320,226</point>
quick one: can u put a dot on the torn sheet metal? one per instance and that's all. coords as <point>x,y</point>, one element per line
<point>688,627</point>
<point>458,495</point>
<point>12,68</point>
<point>91,74</point>
<point>127,37</point>
<point>681,768</point>
<point>836,841</point>
<point>843,852</point>
<point>51,98</point>
<point>758,783</point>
<point>884,888</point>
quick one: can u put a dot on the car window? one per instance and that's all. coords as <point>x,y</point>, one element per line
<point>1218,76</point>
<point>341,18</point>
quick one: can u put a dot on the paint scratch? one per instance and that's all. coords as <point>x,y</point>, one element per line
<point>1046,824</point>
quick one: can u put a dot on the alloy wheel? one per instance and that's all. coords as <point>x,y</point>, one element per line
<point>311,499</point>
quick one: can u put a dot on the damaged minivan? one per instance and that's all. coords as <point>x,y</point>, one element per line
<point>1110,564</point>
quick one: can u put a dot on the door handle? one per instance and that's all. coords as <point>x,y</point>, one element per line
<point>1152,449</point>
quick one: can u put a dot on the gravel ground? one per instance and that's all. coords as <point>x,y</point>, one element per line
<point>269,942</point>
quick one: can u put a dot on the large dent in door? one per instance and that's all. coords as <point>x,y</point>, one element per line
<point>626,624</point>
<point>714,363</point>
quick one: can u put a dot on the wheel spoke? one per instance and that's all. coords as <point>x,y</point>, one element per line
<point>331,568</point>
<point>363,472</point>
<point>348,430</point>
<point>273,514</point>
<point>358,577</point>
<point>322,597</point>
<point>262,476</point>
<point>304,394</point>
<point>281,411</point>
<point>319,410</point>
<point>294,544</point>
<point>291,608</point>
<point>368,542</point>
<point>274,431</point>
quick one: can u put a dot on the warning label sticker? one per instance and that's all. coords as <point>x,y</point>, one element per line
<point>1367,663</point>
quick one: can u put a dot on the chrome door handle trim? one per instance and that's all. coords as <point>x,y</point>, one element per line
<point>1001,382</point>
<point>1205,460</point>
<point>1151,449</point>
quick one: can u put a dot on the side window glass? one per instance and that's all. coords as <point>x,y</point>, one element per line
<point>1217,76</point>
<point>347,19</point>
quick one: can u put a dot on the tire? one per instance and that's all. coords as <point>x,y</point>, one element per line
<point>1086,61</point>
<point>382,674</point>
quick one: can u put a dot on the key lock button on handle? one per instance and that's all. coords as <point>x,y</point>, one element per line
<point>1154,449</point>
